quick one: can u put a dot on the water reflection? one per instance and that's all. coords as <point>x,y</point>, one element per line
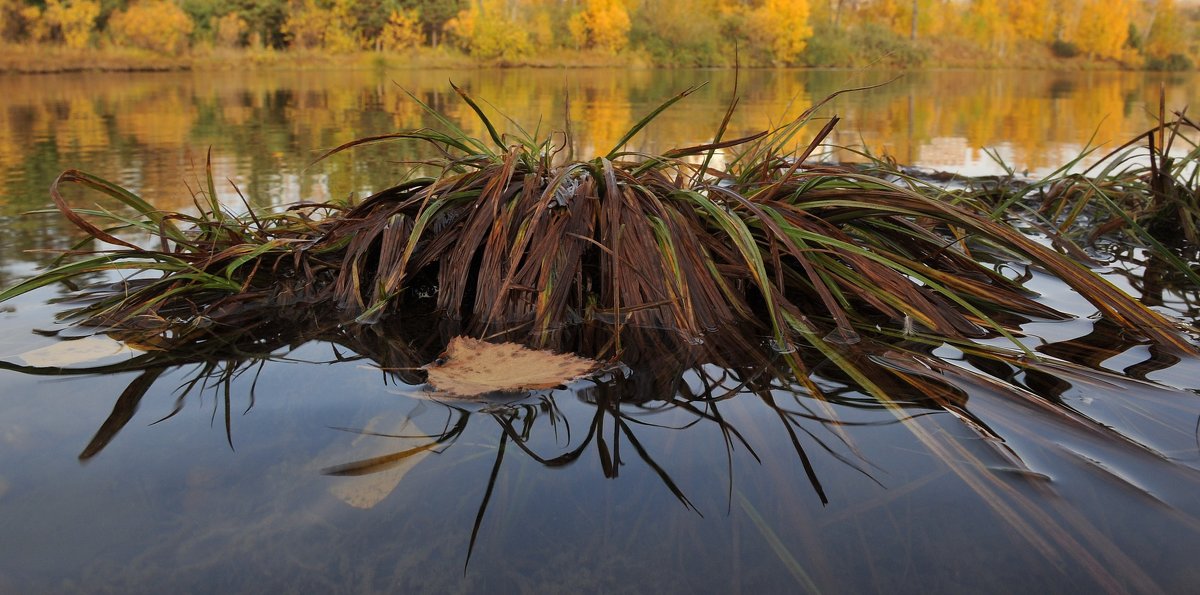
<point>149,132</point>
<point>1046,473</point>
<point>304,455</point>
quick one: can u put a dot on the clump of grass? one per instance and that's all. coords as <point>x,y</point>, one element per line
<point>1147,191</point>
<point>522,242</point>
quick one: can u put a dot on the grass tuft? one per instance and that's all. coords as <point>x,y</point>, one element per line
<point>523,245</point>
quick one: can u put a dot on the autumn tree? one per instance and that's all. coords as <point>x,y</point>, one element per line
<point>265,19</point>
<point>342,32</point>
<point>69,21</point>
<point>781,28</point>
<point>1103,27</point>
<point>305,25</point>
<point>10,20</point>
<point>33,26</point>
<point>231,30</point>
<point>368,19</point>
<point>434,16</point>
<point>603,24</point>
<point>988,26</point>
<point>402,31</point>
<point>1167,35</point>
<point>683,32</point>
<point>487,30</point>
<point>327,25</point>
<point>1031,19</point>
<point>157,25</point>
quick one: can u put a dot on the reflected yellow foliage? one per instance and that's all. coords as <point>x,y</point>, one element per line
<point>151,132</point>
<point>82,129</point>
<point>163,119</point>
<point>601,115</point>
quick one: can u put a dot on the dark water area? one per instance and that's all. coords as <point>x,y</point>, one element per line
<point>295,463</point>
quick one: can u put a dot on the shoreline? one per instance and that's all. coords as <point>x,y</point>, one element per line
<point>23,59</point>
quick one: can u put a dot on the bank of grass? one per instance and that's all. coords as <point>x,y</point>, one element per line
<point>32,59</point>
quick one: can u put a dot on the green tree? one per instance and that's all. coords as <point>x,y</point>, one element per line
<point>205,15</point>
<point>265,20</point>
<point>684,32</point>
<point>435,15</point>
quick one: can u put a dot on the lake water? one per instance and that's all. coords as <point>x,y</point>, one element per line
<point>300,466</point>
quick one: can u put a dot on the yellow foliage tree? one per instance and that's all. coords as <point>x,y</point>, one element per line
<point>341,32</point>
<point>156,25</point>
<point>71,20</point>
<point>1167,35</point>
<point>988,26</point>
<point>36,28</point>
<point>1103,27</point>
<point>305,24</point>
<point>402,30</point>
<point>231,30</point>
<point>8,17</point>
<point>543,30</point>
<point>333,28</point>
<point>486,31</point>
<point>603,24</point>
<point>782,26</point>
<point>1031,19</point>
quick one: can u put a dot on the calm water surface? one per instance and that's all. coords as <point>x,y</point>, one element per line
<point>303,467</point>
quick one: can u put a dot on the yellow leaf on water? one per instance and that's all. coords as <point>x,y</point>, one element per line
<point>66,353</point>
<point>472,367</point>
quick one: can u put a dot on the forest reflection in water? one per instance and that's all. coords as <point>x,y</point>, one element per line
<point>294,454</point>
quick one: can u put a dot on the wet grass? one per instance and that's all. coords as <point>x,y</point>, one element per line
<point>519,240</point>
<point>1144,193</point>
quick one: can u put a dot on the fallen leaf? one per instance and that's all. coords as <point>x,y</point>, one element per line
<point>66,353</point>
<point>472,367</point>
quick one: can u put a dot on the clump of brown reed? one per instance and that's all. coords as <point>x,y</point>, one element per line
<point>522,245</point>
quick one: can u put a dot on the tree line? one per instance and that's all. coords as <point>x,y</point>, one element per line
<point>669,32</point>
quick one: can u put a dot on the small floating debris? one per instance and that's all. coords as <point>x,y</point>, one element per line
<point>471,367</point>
